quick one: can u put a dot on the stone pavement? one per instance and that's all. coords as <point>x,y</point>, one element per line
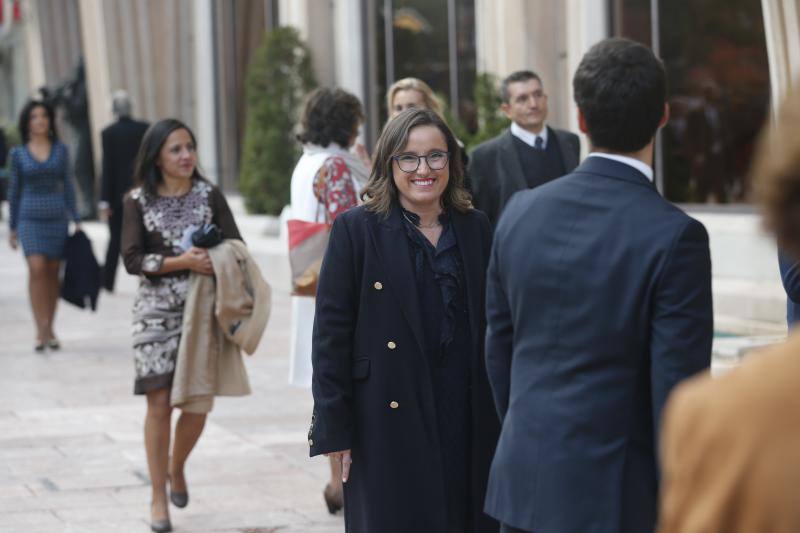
<point>71,451</point>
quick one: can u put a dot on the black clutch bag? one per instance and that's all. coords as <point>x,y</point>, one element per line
<point>208,236</point>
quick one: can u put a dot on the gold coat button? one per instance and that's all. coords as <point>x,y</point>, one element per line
<point>394,405</point>
<point>310,442</point>
<point>391,345</point>
<point>378,285</point>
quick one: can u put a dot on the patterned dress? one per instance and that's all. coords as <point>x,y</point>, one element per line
<point>41,200</point>
<point>153,229</point>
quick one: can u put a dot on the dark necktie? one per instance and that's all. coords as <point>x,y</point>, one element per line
<point>539,143</point>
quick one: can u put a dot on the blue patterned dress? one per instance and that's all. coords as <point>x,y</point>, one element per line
<point>42,200</point>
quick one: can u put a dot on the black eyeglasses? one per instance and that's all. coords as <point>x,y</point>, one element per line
<point>435,160</point>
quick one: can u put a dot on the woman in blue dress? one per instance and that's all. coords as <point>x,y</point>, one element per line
<point>42,202</point>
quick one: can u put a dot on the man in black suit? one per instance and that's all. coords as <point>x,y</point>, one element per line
<point>524,156</point>
<point>598,303</point>
<point>120,145</point>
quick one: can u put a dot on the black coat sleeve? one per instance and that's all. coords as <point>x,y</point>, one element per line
<point>108,190</point>
<point>332,346</point>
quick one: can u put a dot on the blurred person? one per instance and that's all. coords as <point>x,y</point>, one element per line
<point>705,144</point>
<point>42,203</point>
<point>171,198</point>
<point>401,396</point>
<point>729,446</point>
<point>598,303</point>
<point>524,156</point>
<point>121,142</point>
<point>410,93</point>
<point>325,183</point>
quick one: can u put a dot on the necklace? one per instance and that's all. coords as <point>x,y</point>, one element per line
<point>432,225</point>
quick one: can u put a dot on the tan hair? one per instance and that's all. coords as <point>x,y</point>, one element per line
<point>381,194</point>
<point>775,175</point>
<point>407,84</point>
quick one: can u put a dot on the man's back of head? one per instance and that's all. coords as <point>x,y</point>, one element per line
<point>620,88</point>
<point>121,104</point>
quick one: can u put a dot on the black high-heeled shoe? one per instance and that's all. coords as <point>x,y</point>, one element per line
<point>39,347</point>
<point>333,500</point>
<point>53,344</point>
<point>178,499</point>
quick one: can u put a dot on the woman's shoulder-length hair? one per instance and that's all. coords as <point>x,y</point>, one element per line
<point>24,125</point>
<point>147,174</point>
<point>381,193</point>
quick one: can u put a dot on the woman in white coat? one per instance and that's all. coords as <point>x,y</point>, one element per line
<point>326,182</point>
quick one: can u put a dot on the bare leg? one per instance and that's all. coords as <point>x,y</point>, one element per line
<point>38,291</point>
<point>187,432</point>
<point>336,477</point>
<point>54,289</point>
<point>156,443</point>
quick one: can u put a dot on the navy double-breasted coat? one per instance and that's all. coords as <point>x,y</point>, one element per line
<point>371,384</point>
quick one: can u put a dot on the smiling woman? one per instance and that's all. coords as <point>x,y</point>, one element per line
<point>399,383</point>
<point>172,199</point>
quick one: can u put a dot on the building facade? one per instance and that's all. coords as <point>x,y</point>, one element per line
<point>729,63</point>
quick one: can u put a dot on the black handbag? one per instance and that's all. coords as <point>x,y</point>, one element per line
<point>207,236</point>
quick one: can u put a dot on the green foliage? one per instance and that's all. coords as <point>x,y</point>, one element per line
<point>490,119</point>
<point>278,78</point>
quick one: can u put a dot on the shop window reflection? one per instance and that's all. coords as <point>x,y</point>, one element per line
<point>716,60</point>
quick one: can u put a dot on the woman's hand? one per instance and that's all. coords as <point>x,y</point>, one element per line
<point>76,227</point>
<point>197,259</point>
<point>345,459</point>
<point>12,239</point>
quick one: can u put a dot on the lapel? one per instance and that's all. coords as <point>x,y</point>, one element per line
<point>568,155</point>
<point>469,244</point>
<point>511,167</point>
<point>391,244</point>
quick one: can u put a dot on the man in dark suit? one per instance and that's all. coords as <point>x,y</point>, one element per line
<point>598,303</point>
<point>524,156</point>
<point>120,145</point>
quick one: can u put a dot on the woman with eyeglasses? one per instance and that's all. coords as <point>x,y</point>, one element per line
<point>401,397</point>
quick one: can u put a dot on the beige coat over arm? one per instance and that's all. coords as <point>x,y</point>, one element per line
<point>223,314</point>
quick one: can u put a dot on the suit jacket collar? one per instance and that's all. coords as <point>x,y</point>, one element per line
<point>615,170</point>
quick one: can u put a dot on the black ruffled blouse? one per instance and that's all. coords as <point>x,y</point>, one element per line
<point>441,287</point>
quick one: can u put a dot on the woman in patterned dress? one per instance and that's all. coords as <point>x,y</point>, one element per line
<point>325,183</point>
<point>42,202</point>
<point>171,200</point>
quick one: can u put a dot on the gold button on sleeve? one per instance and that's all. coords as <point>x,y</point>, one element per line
<point>378,285</point>
<point>310,442</point>
<point>394,405</point>
<point>391,345</point>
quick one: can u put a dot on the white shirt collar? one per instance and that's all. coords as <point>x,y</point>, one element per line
<point>635,163</point>
<point>528,137</point>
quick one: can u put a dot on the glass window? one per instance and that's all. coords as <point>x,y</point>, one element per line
<point>419,44</point>
<point>716,59</point>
